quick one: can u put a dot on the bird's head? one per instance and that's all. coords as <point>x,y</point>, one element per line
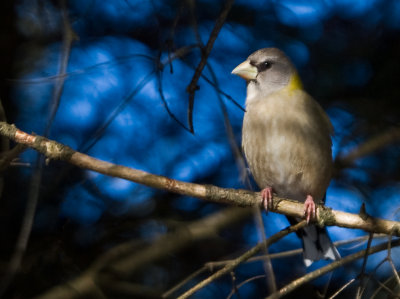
<point>266,71</point>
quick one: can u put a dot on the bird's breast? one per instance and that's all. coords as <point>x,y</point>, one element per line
<point>287,148</point>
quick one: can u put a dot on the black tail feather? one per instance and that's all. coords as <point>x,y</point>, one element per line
<point>316,243</point>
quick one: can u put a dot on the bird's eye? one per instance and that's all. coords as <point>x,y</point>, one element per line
<point>264,65</point>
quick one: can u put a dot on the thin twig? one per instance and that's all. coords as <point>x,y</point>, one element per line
<point>237,154</point>
<point>192,87</point>
<point>212,265</point>
<point>184,281</point>
<point>383,286</point>
<point>138,87</point>
<point>332,266</point>
<point>245,282</point>
<point>229,97</point>
<point>26,227</point>
<point>166,106</point>
<point>226,95</point>
<point>342,288</point>
<point>287,253</point>
<point>362,272</point>
<point>83,71</point>
<point>371,276</point>
<point>269,270</point>
<point>193,21</point>
<point>69,37</point>
<point>229,267</point>
<point>34,187</point>
<point>390,260</point>
<point>89,143</point>
<point>170,41</point>
<point>326,285</point>
<point>235,289</point>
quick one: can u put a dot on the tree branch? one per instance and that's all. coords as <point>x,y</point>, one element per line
<point>192,87</point>
<point>210,266</point>
<point>237,197</point>
<point>284,254</point>
<point>229,267</point>
<point>332,266</point>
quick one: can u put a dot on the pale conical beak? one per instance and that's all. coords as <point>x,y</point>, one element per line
<point>246,70</point>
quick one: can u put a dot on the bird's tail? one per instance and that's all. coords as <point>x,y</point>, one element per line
<point>316,244</point>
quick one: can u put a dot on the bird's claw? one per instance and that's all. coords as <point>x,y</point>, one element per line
<point>309,208</point>
<point>266,195</point>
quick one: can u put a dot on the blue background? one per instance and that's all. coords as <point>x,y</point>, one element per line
<point>347,53</point>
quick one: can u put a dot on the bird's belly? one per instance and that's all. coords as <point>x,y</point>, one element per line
<point>287,160</point>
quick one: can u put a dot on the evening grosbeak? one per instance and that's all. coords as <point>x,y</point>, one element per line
<point>286,139</point>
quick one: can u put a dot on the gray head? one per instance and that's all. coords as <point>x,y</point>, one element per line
<point>266,70</point>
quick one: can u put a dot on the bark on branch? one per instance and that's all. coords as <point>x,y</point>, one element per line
<point>325,216</point>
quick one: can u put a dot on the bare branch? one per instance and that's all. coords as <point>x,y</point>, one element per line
<point>243,198</point>
<point>212,265</point>
<point>284,254</point>
<point>117,110</point>
<point>183,282</point>
<point>390,260</point>
<point>229,267</point>
<point>384,287</point>
<point>362,284</point>
<point>244,282</point>
<point>269,270</point>
<point>237,154</point>
<point>332,266</point>
<point>342,288</point>
<point>192,87</point>
<point>68,38</point>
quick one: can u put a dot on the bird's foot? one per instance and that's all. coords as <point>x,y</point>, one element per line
<point>309,208</point>
<point>266,195</point>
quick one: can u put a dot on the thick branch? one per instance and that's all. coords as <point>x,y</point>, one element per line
<point>325,215</point>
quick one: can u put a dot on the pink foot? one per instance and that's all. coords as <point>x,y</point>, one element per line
<point>266,195</point>
<point>309,208</point>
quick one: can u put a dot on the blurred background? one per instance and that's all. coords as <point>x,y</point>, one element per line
<point>109,78</point>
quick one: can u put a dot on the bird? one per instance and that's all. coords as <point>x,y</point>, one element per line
<point>286,140</point>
